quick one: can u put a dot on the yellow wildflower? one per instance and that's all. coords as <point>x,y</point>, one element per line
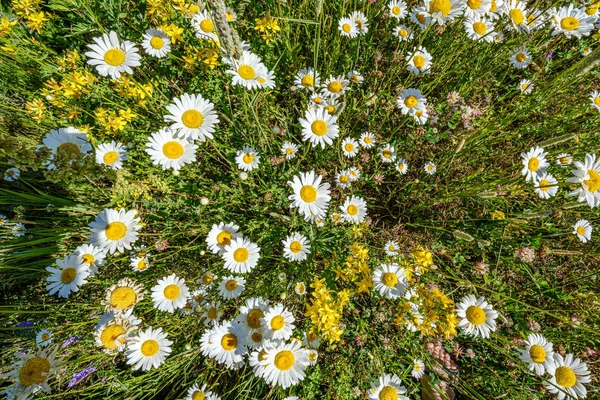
<point>499,215</point>
<point>6,26</point>
<point>36,20</point>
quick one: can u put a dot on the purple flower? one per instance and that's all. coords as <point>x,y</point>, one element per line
<point>25,324</point>
<point>549,55</point>
<point>80,376</point>
<point>70,341</point>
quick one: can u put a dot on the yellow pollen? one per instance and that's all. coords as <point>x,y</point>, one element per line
<point>149,348</point>
<point>308,81</point>
<point>349,147</point>
<point>319,127</point>
<point>114,57</point>
<point>284,360</point>
<point>346,28</point>
<point>208,278</point>
<point>192,119</point>
<point>533,164</point>
<point>231,284</point>
<point>396,10</point>
<point>318,100</point>
<point>142,265</point>
<point>480,28</point>
<point>115,231</point>
<point>111,334</point>
<point>569,23</point>
<point>524,86</point>
<point>248,158</point>
<point>516,15</point>
<point>389,279</point>
<point>417,367</point>
<point>418,62</point>
<point>421,18</point>
<point>229,342</point>
<point>565,377</point>
<point>344,179</point>
<point>388,393</point>
<point>246,72</point>
<point>45,336</point>
<point>335,87</point>
<point>157,42</point>
<point>34,371</point>
<point>352,210</point>
<point>261,80</point>
<point>442,6</point>
<point>474,4</point>
<point>597,101</point>
<point>172,150</point>
<point>593,8</point>
<point>198,395</point>
<point>171,292</point>
<point>493,7</point>
<point>593,184</point>
<point>207,26</point>
<point>88,259</point>
<point>68,275</point>
<point>254,317</point>
<point>277,322</point>
<point>330,109</point>
<point>537,353</point>
<point>223,238</point>
<point>295,246</point>
<point>521,57</point>
<point>386,153</point>
<point>403,32</point>
<point>308,193</point>
<point>411,101</point>
<point>110,157</point>
<point>367,140</point>
<point>475,315</point>
<point>123,297</point>
<point>241,255</point>
<point>580,230</point>
<point>289,150</point>
<point>544,185</point>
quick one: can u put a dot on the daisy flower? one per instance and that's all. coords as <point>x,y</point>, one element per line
<point>595,99</point>
<point>245,71</point>
<point>546,185</point>
<point>587,175</point>
<point>387,154</point>
<point>564,159</point>
<point>479,28</point>
<point>367,140</point>
<point>241,255</point>
<point>31,373</point>
<point>402,166</point>
<point>568,375</point>
<point>418,369</point>
<point>221,235</point>
<point>387,387</point>
<point>419,62</point>
<point>583,230</point>
<point>335,86</point>
<point>192,117</point>
<point>430,168</point>
<point>356,77</point>
<point>521,58</point>
<point>572,22</point>
<point>421,17</point>
<point>114,230</point>
<point>12,174</point>
<point>349,147</point>
<point>390,280</point>
<point>319,127</point>
<point>212,313</point>
<point>251,314</point>
<point>330,105</point>
<point>534,163</point>
<point>247,159</point>
<point>204,26</point>
<point>398,9</point>
<point>156,43</point>
<point>296,247</point>
<point>266,79</point>
<point>123,296</point>
<point>442,11</point>
<point>496,6</point>
<point>362,23</point>
<point>92,255</point>
<point>71,273</point>
<point>311,197</point>
<point>311,340</point>
<point>284,364</point>
<point>317,100</point>
<point>43,338</point>
<point>278,323</point>
<point>228,344</point>
<point>348,27</point>
<point>170,151</point>
<point>391,248</point>
<point>353,173</point>
<point>525,86</point>
<point>308,79</point>
<point>478,318</point>
<point>231,287</point>
<point>111,154</point>
<point>477,8</point>
<point>111,57</point>
<point>18,230</point>
<point>139,264</point>
<point>403,33</point>
<point>515,10</point>
<point>313,356</point>
<point>65,142</point>
<point>289,150</point>
<point>343,179</point>
<point>111,334</point>
<point>411,100</point>
<point>300,288</point>
<point>148,349</point>
<point>354,209</point>
<point>537,354</point>
<point>170,293</point>
<point>207,279</point>
<point>200,393</point>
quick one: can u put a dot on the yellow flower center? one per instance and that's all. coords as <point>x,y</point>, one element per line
<point>308,81</point>
<point>396,10</point>
<point>388,393</point>
<point>544,185</point>
<point>330,109</point>
<point>254,317</point>
<point>411,101</point>
<point>593,184</point>
<point>318,127</point>
<point>493,7</point>
<point>34,371</point>
<point>318,100</point>
<point>295,246</point>
<point>277,322</point>
<point>597,101</point>
<point>417,367</point>
<point>474,4</point>
<point>149,348</point>
<point>157,42</point>
<point>110,157</point>
<point>344,179</point>
<point>308,193</point>
<point>284,360</point>
<point>386,153</point>
<point>403,32</point>
<point>421,18</point>
<point>521,57</point>
<point>171,292</point>
<point>593,8</point>
<point>475,315</point>
<point>367,140</point>
<point>207,26</point>
<point>241,255</point>
<point>114,57</point>
<point>516,15</point>
<point>580,230</point>
<point>335,87</point>
<point>480,28</point>
<point>223,238</point>
<point>123,297</point>
<point>212,313</point>
<point>45,336</point>
<point>524,86</point>
<point>533,164</point>
<point>537,353</point>
<point>569,23</point>
<point>565,377</point>
<point>289,150</point>
<point>419,62</point>
<point>248,158</point>
<point>349,147</point>
<point>115,231</point>
<point>68,275</point>
<point>142,265</point>
<point>231,284</point>
<point>246,72</point>
<point>208,278</point>
<point>442,6</point>
<point>256,337</point>
<point>352,210</point>
<point>229,15</point>
<point>389,279</point>
<point>193,119</point>
<point>198,395</point>
<point>346,28</point>
<point>68,148</point>
<point>111,334</point>
<point>229,342</point>
<point>261,80</point>
<point>172,150</point>
<point>312,356</point>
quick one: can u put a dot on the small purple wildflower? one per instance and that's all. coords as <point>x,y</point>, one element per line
<point>70,341</point>
<point>25,324</point>
<point>80,376</point>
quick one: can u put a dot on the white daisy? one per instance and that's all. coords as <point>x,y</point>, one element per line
<point>387,387</point>
<point>221,236</point>
<point>411,100</point>
<point>403,33</point>
<point>583,230</point>
<point>402,166</point>
<point>231,287</point>
<point>479,28</point>
<point>284,364</point>
<point>537,354</point>
<point>355,77</point>
<point>521,58</point>
<point>546,185</point>
<point>568,375</point>
<point>587,175</point>
<point>564,159</point>
<point>343,179</point>
<point>354,209</point>
<point>397,9</point>
<point>534,163</point>
<point>300,288</point>
<point>65,143</point>
<point>420,116</point>
<point>43,338</point>
<point>319,127</point>
<point>241,255</point>
<point>192,117</point>
<point>595,99</point>
<point>12,174</point>
<point>247,159</point>
<point>296,247</point>
<point>478,317</point>
<point>442,11</point>
<point>72,273</point>
<point>212,313</point>
<point>362,23</point>
<point>139,264</point>
<point>278,323</point>
<point>92,255</point>
<point>156,43</point>
<point>353,173</point>
<point>430,168</point>
<point>148,349</point>
<point>112,57</point>
<point>228,344</point>
<point>572,22</point>
<point>515,11</point>
<point>317,100</point>
<point>111,154</point>
<point>477,8</point>
<point>367,140</point>
<point>391,248</point>
<point>200,393</point>
<point>387,154</point>
<point>289,150</point>
<point>421,17</point>
<point>170,293</point>
<point>311,197</point>
<point>335,86</point>
<point>31,373</point>
<point>525,86</point>
<point>111,333</point>
<point>245,71</point>
<point>123,296</point>
<point>170,151</point>
<point>311,340</point>
<point>348,27</point>
<point>204,26</point>
<point>349,147</point>
<point>115,230</point>
<point>390,280</point>
<point>251,314</point>
<point>419,61</point>
<point>308,79</point>
<point>418,369</point>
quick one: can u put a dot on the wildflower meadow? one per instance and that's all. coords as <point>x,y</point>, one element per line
<point>300,199</point>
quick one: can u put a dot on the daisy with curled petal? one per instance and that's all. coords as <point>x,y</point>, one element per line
<point>148,349</point>
<point>587,175</point>
<point>112,333</point>
<point>123,296</point>
<point>538,353</point>
<point>251,314</point>
<point>204,26</point>
<point>568,375</point>
<point>241,255</point>
<point>319,127</point>
<point>421,17</point>
<point>353,173</point>
<point>418,369</point>
<point>31,372</point>
<point>72,273</point>
<point>583,230</point>
<point>478,317</point>
<point>516,12</point>
<point>362,23</point>
<point>355,77</point>
<point>92,255</point>
<point>534,163</point>
<point>111,57</point>
<point>212,313</point>
<point>192,117</point>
